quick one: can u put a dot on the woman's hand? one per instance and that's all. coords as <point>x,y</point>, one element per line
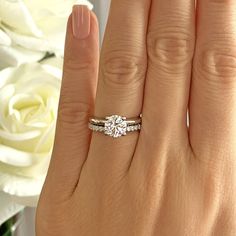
<point>167,180</point>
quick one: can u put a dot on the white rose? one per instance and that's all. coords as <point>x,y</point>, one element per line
<point>30,28</point>
<point>29,97</point>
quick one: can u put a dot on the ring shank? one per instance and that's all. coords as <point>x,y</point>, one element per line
<point>102,121</point>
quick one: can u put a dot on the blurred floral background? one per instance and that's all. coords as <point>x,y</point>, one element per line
<point>32,35</point>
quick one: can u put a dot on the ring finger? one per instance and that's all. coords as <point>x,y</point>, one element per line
<point>121,79</point>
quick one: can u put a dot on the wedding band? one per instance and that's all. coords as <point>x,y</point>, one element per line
<point>115,125</point>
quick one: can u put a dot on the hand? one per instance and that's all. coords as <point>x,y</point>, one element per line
<point>167,180</point>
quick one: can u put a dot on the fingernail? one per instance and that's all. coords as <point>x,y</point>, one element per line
<point>81,21</point>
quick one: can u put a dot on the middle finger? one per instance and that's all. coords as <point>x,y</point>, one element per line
<point>171,41</point>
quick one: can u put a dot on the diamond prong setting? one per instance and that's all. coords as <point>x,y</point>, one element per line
<point>115,126</point>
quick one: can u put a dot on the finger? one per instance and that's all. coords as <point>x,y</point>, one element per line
<point>121,78</point>
<point>213,94</point>
<point>171,39</point>
<point>76,102</point>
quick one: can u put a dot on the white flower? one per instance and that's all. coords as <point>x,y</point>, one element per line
<point>30,28</point>
<point>8,208</point>
<point>29,97</point>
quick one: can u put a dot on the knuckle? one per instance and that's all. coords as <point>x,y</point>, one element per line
<point>216,63</point>
<point>170,49</point>
<point>78,66</point>
<point>122,70</point>
<point>73,114</point>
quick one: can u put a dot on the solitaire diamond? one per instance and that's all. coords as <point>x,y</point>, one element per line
<point>115,126</point>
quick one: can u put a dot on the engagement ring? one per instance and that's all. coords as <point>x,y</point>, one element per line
<point>115,125</point>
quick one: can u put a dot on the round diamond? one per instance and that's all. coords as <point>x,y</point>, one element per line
<point>115,126</point>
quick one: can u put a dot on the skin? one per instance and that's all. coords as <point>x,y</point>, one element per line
<point>160,60</point>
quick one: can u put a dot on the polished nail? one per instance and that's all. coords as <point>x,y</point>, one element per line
<point>81,21</point>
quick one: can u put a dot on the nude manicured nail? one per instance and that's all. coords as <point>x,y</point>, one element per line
<point>81,21</point>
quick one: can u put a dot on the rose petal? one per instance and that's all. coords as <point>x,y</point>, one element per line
<point>45,137</point>
<point>60,8</point>
<point>16,55</point>
<point>29,42</point>
<point>14,157</point>
<point>4,39</point>
<point>5,75</point>
<point>54,29</point>
<point>30,201</point>
<point>52,70</point>
<point>23,100</point>
<point>5,93</point>
<point>24,22</point>
<point>8,208</point>
<point>21,136</point>
<point>55,62</point>
<point>20,186</point>
<point>84,2</point>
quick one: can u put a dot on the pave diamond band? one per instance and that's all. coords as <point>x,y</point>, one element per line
<point>115,125</point>
<point>130,128</point>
